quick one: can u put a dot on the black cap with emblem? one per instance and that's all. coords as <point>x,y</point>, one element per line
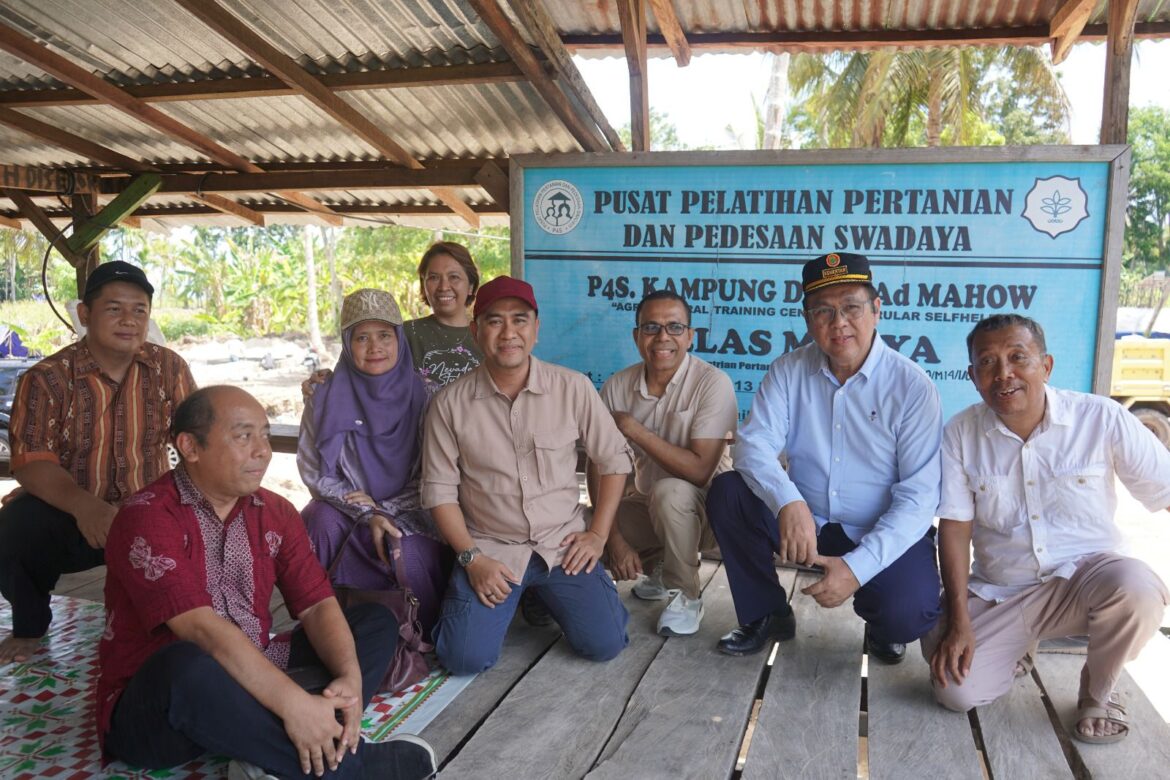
<point>836,268</point>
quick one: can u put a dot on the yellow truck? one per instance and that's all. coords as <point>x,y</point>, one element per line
<point>1141,381</point>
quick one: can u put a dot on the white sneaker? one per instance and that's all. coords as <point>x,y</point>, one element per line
<point>651,588</point>
<point>242,770</point>
<point>681,616</point>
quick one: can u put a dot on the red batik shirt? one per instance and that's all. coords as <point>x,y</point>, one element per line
<point>169,553</point>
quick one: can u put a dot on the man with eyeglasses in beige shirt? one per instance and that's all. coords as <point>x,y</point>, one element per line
<point>678,414</point>
<point>500,478</point>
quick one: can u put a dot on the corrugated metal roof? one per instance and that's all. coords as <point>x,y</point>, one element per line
<point>150,42</point>
<point>600,17</point>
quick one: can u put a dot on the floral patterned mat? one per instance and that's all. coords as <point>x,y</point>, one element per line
<point>46,706</point>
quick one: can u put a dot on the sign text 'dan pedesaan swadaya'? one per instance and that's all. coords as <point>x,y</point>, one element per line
<point>952,236</point>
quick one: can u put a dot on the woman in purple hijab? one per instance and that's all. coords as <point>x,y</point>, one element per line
<point>358,454</point>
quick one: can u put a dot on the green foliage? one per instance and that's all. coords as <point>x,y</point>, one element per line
<point>663,134</point>
<point>38,327</point>
<point>177,323</point>
<point>241,281</point>
<point>931,97</point>
<point>1147,234</point>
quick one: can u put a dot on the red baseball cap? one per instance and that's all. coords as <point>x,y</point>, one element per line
<point>503,287</point>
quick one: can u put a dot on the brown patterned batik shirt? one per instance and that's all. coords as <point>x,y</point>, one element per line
<point>110,436</point>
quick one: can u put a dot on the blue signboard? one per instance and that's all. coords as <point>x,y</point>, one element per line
<point>949,241</point>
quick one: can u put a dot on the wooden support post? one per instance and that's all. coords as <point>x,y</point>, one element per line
<point>87,234</point>
<point>632,14</point>
<point>41,221</point>
<point>1118,58</point>
<point>84,207</point>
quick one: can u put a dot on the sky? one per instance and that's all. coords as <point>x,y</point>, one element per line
<point>716,90</point>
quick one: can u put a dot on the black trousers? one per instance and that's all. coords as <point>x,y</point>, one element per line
<point>181,703</point>
<point>38,543</point>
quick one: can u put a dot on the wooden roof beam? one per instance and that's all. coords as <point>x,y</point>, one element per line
<point>232,29</point>
<point>672,31</point>
<point>63,69</point>
<point>543,30</point>
<point>271,86</point>
<point>42,222</point>
<point>1066,26</point>
<point>632,14</point>
<point>493,16</point>
<point>10,223</point>
<point>56,180</point>
<point>1118,59</point>
<point>835,40</point>
<point>229,206</point>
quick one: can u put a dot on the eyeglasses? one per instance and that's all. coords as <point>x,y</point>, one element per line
<point>824,315</point>
<point>654,328</point>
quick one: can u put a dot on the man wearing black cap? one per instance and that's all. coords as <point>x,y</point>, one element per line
<point>860,426</point>
<point>89,429</point>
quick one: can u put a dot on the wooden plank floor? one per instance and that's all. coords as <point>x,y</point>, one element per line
<point>675,708</point>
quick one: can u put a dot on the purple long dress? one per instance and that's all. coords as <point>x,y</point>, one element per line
<point>362,433</point>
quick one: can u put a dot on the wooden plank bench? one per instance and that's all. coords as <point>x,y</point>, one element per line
<point>675,708</point>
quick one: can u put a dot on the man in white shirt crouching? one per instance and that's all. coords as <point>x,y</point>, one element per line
<point>1029,482</point>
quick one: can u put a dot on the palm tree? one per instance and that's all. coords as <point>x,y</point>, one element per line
<point>932,96</point>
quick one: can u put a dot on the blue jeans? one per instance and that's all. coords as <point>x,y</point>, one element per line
<point>469,635</point>
<point>900,603</point>
<point>181,703</point>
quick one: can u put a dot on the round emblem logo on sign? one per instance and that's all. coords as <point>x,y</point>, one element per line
<point>557,207</point>
<point>833,260</point>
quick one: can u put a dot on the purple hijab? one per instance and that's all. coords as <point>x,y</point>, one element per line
<point>382,412</point>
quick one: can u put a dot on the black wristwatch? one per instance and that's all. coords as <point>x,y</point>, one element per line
<point>467,556</point>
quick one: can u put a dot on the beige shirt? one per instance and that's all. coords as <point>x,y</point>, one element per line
<point>699,403</point>
<point>512,465</point>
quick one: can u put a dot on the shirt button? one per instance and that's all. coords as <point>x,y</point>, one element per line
<point>524,478</point>
<point>1039,549</point>
<point>1035,517</point>
<point>836,460</point>
<point>1080,480</point>
<point>1030,482</point>
<point>837,426</point>
<point>834,492</point>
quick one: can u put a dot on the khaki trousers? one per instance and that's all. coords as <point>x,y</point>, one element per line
<point>669,525</point>
<point>1117,601</point>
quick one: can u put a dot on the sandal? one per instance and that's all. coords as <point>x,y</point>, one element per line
<point>1024,665</point>
<point>1113,712</point>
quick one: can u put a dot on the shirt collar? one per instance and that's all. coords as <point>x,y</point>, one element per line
<point>679,374</point>
<point>876,352</point>
<point>85,363</point>
<point>537,383</point>
<point>1056,412</point>
<point>190,495</point>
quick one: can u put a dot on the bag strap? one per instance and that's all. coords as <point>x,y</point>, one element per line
<point>395,556</point>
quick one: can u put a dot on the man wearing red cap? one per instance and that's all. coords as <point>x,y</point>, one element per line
<point>499,476</point>
<point>89,429</point>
